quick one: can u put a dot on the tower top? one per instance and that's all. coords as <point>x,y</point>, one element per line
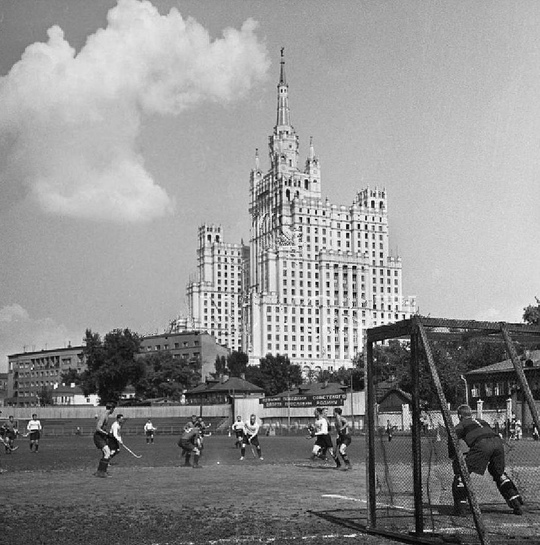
<point>283,114</point>
<point>282,79</point>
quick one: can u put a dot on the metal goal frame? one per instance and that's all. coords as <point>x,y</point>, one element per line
<point>421,331</point>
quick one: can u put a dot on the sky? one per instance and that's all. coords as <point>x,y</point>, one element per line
<point>124,126</point>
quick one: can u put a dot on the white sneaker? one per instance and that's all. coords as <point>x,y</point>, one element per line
<point>241,457</point>
<point>261,458</point>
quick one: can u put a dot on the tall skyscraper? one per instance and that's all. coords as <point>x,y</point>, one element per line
<point>316,274</point>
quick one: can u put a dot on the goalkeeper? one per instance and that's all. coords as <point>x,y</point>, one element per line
<point>486,451</point>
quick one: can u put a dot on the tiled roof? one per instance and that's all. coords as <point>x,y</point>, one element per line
<point>505,365</point>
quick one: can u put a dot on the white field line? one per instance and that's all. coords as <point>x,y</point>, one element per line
<point>253,539</point>
<point>383,505</point>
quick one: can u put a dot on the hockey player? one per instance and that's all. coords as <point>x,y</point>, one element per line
<point>323,440</point>
<point>343,439</point>
<point>251,436</point>
<point>486,450</point>
<point>101,440</point>
<point>190,443</point>
<point>239,429</point>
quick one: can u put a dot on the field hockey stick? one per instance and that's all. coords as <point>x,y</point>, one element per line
<point>132,453</point>
<point>252,449</point>
<point>8,446</point>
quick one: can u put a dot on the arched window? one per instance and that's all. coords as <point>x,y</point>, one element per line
<point>372,204</point>
<point>209,238</point>
<point>306,184</point>
<point>288,194</point>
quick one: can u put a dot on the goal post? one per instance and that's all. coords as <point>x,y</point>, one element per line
<point>407,501</point>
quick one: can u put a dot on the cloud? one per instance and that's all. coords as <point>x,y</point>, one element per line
<point>69,122</point>
<point>19,332</point>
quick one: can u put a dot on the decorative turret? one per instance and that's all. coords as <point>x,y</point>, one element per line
<point>312,162</point>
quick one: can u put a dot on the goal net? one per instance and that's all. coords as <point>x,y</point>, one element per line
<point>410,477</point>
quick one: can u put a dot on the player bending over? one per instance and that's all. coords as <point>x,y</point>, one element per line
<point>486,450</point>
<point>101,440</point>
<point>190,443</point>
<point>251,437</point>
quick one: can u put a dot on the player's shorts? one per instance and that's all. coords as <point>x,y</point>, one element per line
<point>239,434</point>
<point>149,433</point>
<point>113,443</point>
<point>486,453</point>
<point>186,445</point>
<point>343,440</point>
<point>252,440</point>
<point>100,440</point>
<point>35,435</point>
<point>324,441</point>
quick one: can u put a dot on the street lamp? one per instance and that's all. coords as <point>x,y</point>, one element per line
<point>466,389</point>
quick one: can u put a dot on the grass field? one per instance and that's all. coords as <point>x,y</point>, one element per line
<point>52,497</point>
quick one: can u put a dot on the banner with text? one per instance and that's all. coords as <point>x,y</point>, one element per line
<point>303,401</point>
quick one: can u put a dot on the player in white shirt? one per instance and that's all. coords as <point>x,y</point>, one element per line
<point>115,435</point>
<point>149,430</point>
<point>239,430</point>
<point>322,437</point>
<point>34,429</point>
<point>251,436</point>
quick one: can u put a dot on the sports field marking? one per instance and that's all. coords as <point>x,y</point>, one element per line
<point>383,505</point>
<point>249,539</point>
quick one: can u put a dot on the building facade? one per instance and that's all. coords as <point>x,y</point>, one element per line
<point>30,372</point>
<point>215,294</point>
<point>198,348</point>
<point>316,274</point>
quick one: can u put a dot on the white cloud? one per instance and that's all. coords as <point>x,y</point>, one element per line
<point>21,332</point>
<point>70,122</point>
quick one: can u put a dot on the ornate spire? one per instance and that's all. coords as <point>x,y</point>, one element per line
<point>257,165</point>
<point>282,79</point>
<point>283,114</point>
<point>311,149</point>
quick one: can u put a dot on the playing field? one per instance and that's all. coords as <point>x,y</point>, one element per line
<point>53,498</point>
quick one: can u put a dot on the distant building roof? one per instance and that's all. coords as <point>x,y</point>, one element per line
<point>402,394</point>
<point>230,385</point>
<point>66,389</point>
<point>507,365</point>
<point>315,388</point>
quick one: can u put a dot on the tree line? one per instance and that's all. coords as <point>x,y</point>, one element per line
<point>114,362</point>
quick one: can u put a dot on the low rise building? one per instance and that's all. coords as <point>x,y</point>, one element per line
<point>29,373</point>
<point>197,347</point>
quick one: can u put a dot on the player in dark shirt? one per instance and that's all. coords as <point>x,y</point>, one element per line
<point>486,451</point>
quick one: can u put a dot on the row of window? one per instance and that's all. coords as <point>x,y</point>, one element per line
<point>177,346</point>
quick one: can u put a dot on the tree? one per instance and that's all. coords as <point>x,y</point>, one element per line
<point>531,314</point>
<point>276,374</point>
<point>112,363</point>
<point>71,376</point>
<point>166,376</point>
<point>45,396</point>
<point>235,364</point>
<point>221,366</point>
